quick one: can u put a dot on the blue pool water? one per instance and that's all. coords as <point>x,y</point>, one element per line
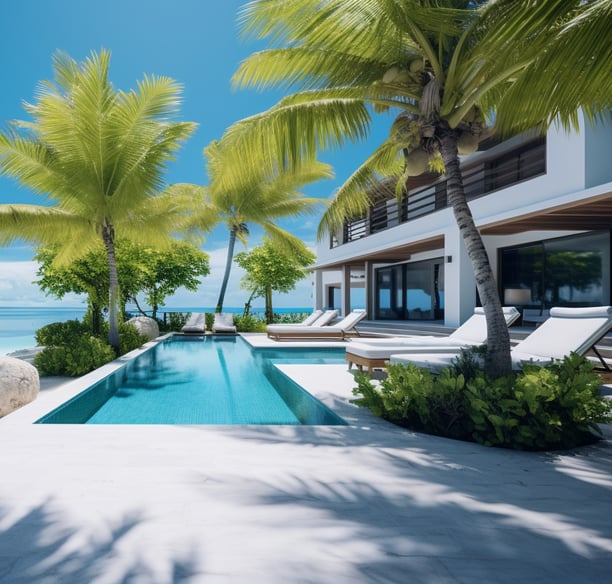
<point>202,380</point>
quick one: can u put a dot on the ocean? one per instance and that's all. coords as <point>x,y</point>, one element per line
<point>19,324</point>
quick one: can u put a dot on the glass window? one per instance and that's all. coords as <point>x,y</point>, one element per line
<point>413,291</point>
<point>569,271</point>
<point>388,301</point>
<point>574,269</point>
<point>419,291</point>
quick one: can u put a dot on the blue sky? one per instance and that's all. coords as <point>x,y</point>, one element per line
<point>195,42</point>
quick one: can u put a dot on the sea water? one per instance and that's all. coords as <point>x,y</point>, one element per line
<point>18,325</point>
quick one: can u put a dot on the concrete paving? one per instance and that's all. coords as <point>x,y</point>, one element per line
<point>368,502</point>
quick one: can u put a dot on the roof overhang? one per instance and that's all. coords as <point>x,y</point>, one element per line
<point>582,215</point>
<point>389,255</point>
<point>588,214</point>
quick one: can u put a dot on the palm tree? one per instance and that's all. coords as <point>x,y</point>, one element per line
<point>98,155</point>
<point>446,69</point>
<point>258,197</point>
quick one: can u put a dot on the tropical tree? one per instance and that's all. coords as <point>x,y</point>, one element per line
<point>261,197</point>
<point>163,272</point>
<point>270,269</point>
<point>155,273</point>
<point>86,275</point>
<point>445,69</point>
<point>98,155</point>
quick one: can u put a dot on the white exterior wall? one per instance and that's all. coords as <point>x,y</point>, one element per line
<point>598,144</point>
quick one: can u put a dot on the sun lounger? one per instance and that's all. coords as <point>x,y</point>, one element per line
<point>321,319</point>
<point>567,330</point>
<point>223,323</point>
<point>339,330</point>
<point>196,324</point>
<point>311,318</point>
<point>373,353</point>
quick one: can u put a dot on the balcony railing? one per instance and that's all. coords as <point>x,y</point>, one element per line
<point>480,179</point>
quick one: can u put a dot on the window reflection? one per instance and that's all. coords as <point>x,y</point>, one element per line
<point>570,271</point>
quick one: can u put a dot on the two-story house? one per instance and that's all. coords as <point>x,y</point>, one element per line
<point>543,205</point>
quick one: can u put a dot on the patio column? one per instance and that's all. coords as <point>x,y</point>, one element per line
<point>319,299</point>
<point>459,282</point>
<point>369,289</point>
<point>346,289</point>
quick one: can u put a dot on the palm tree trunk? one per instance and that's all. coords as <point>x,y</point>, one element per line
<point>113,292</point>
<point>228,267</point>
<point>497,360</point>
<point>269,311</point>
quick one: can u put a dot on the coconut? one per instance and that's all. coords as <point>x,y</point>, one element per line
<point>417,162</point>
<point>467,143</point>
<point>416,65</point>
<point>391,74</point>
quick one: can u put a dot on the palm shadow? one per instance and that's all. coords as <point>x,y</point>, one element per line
<point>39,547</point>
<point>432,509</point>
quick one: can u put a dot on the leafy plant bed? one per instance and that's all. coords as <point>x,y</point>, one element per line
<point>539,408</point>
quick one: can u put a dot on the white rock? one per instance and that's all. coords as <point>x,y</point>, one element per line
<point>145,326</point>
<point>19,384</point>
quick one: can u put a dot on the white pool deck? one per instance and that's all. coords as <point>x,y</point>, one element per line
<point>368,502</point>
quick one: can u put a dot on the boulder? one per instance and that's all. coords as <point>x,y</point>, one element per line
<point>145,326</point>
<point>19,384</point>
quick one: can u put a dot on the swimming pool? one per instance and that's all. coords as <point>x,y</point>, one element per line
<point>202,380</point>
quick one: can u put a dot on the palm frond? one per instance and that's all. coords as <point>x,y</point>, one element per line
<point>581,78</point>
<point>39,224</point>
<point>33,163</point>
<point>287,135</point>
<point>354,197</point>
<point>288,243</point>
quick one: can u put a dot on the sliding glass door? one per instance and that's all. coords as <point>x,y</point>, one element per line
<point>412,291</point>
<point>568,271</point>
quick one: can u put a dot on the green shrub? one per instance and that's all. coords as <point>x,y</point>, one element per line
<point>210,319</point>
<point>60,333</point>
<point>85,354</point>
<point>289,317</point>
<point>129,338</point>
<point>71,349</point>
<point>250,324</point>
<point>414,398</point>
<point>172,321</point>
<point>540,408</point>
<point>469,363</point>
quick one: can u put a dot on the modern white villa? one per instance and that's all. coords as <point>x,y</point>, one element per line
<point>543,205</point>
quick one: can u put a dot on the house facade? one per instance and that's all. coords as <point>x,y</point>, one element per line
<point>543,205</point>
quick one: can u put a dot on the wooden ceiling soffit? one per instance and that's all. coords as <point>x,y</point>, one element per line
<point>580,216</point>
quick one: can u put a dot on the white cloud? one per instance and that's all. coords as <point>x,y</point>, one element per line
<point>17,287</point>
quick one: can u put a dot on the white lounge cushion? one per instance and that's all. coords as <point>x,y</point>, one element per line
<point>223,323</point>
<point>368,351</point>
<point>196,323</point>
<point>568,330</point>
<point>323,318</point>
<point>472,332</point>
<point>340,327</point>
<point>311,318</point>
